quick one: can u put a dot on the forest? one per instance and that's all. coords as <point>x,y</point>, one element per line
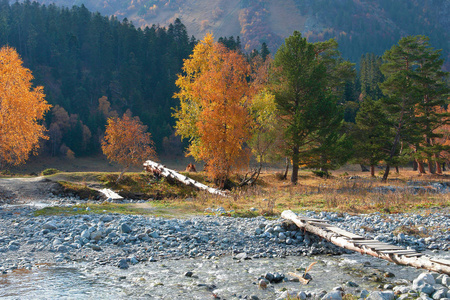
<point>95,68</point>
<point>81,57</point>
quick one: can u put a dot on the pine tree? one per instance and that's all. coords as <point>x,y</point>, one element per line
<point>414,88</point>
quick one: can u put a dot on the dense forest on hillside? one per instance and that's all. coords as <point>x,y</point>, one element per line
<point>374,26</point>
<point>359,26</point>
<point>93,66</point>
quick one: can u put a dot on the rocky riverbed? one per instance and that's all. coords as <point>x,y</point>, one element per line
<point>222,257</point>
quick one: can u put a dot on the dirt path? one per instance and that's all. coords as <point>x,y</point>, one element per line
<point>24,190</point>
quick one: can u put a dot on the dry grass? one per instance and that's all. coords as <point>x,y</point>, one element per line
<point>361,194</point>
<point>348,190</point>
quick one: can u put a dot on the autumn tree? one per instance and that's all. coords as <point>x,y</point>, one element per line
<point>214,108</point>
<point>22,108</point>
<point>127,142</point>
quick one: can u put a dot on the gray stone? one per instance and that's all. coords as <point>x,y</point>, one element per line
<point>364,293</point>
<point>96,235</point>
<point>49,225</point>
<point>351,284</point>
<point>427,289</point>
<point>123,264</point>
<point>240,256</point>
<point>106,218</point>
<point>86,234</point>
<point>427,278</point>
<point>154,235</point>
<point>381,296</point>
<point>96,248</point>
<point>333,295</point>
<point>439,294</point>
<point>133,260</point>
<point>62,248</point>
<point>269,276</point>
<point>302,295</point>
<point>446,281</point>
<point>124,228</point>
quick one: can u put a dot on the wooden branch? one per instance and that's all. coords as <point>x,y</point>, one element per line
<point>355,243</point>
<point>299,277</point>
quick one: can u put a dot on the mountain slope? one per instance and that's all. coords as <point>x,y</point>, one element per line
<point>360,26</point>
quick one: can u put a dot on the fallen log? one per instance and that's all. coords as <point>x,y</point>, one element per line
<point>355,243</point>
<point>161,171</point>
<point>109,194</point>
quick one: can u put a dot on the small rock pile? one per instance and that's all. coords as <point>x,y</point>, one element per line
<point>427,286</point>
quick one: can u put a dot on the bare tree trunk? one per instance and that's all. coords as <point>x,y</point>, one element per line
<point>121,174</point>
<point>386,174</point>
<point>421,167</point>
<point>295,164</point>
<point>372,170</point>
<point>438,168</point>
<point>415,165</point>
<point>286,169</point>
<point>431,166</point>
<point>396,170</point>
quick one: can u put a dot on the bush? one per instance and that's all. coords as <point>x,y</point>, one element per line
<point>321,174</point>
<point>50,172</point>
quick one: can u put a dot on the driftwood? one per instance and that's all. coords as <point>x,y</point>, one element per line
<point>375,248</point>
<point>299,277</point>
<point>109,194</point>
<point>161,171</point>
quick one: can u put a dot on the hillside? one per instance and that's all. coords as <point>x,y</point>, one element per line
<point>360,26</point>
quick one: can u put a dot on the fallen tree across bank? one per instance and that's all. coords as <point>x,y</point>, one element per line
<point>348,240</point>
<point>161,171</point>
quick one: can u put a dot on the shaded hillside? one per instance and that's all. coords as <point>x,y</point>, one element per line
<point>360,26</point>
<point>93,67</point>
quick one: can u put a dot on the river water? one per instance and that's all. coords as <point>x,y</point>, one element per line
<point>225,277</point>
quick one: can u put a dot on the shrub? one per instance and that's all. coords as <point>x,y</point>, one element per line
<point>50,171</point>
<point>322,174</point>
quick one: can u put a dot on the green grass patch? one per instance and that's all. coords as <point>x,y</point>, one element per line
<point>83,209</point>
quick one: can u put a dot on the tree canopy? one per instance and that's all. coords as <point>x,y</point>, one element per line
<point>22,109</point>
<point>214,111</point>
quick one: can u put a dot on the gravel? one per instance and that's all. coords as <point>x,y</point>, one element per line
<point>122,241</point>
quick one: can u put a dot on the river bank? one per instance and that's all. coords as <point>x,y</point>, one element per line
<point>138,249</point>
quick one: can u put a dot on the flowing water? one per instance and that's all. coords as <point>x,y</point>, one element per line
<point>166,279</point>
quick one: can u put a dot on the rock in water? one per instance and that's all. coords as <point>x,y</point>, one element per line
<point>123,264</point>
<point>263,283</point>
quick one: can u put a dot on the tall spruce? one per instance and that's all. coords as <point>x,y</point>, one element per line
<point>306,86</point>
<point>371,135</point>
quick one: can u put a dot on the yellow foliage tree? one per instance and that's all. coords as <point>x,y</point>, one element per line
<point>22,108</point>
<point>127,142</point>
<point>214,108</point>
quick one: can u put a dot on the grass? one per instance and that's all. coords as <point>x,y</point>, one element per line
<point>269,197</point>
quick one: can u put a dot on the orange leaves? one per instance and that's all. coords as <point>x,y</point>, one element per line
<point>21,109</point>
<point>214,109</point>
<point>127,142</point>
